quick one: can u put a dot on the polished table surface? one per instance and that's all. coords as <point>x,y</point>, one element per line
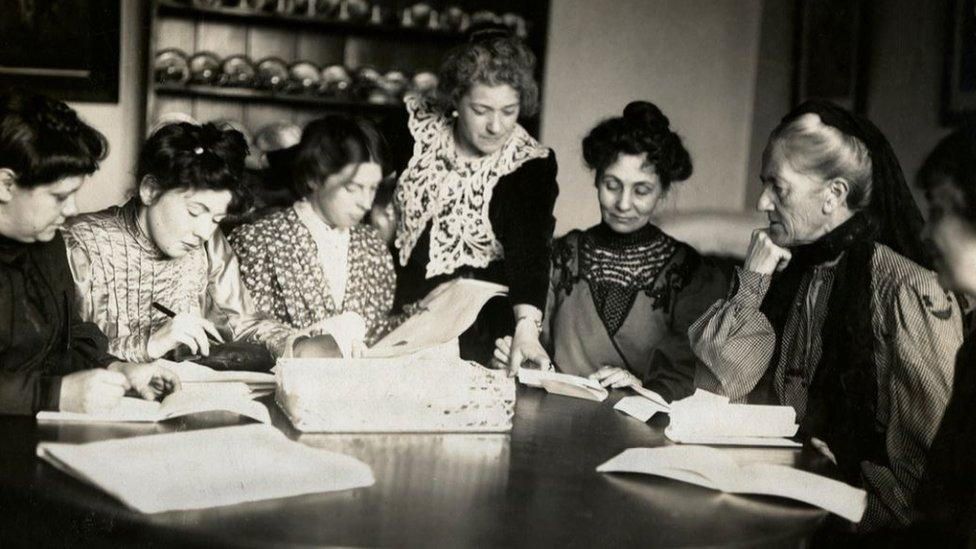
<point>534,487</point>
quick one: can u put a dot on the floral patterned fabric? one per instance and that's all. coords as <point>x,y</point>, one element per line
<point>281,268</point>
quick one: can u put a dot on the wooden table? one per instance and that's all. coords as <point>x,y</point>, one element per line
<point>534,487</point>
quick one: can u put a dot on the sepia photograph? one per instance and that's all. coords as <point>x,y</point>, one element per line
<point>487,273</point>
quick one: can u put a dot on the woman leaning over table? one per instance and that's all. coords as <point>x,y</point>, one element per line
<point>622,293</point>
<point>315,266</point>
<point>476,197</point>
<point>163,246</point>
<point>49,358</point>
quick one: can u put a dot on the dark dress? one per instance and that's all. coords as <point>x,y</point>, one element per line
<point>520,215</point>
<point>41,336</point>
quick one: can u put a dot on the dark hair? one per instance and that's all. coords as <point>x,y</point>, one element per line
<point>190,156</point>
<point>493,57</point>
<point>42,140</point>
<point>329,144</point>
<point>643,128</point>
<point>953,161</point>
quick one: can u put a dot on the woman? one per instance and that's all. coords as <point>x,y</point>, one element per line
<point>833,312</point>
<point>476,197</point>
<point>314,265</point>
<point>946,502</point>
<point>49,358</point>
<point>622,293</point>
<point>163,248</point>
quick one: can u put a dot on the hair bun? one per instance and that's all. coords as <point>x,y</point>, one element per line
<point>646,114</point>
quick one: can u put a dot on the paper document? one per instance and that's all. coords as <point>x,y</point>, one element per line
<point>190,372</point>
<point>713,468</point>
<point>706,416</point>
<point>563,384</point>
<point>206,468</point>
<point>447,312</point>
<point>639,407</point>
<point>235,398</point>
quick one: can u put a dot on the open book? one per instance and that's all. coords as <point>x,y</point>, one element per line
<point>714,469</point>
<point>446,313</point>
<point>190,373</point>
<point>205,468</point>
<point>191,399</point>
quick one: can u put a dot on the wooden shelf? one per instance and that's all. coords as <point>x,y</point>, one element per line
<point>273,19</point>
<point>268,97</point>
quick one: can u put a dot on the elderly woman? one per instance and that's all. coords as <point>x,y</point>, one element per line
<point>162,248</point>
<point>476,197</point>
<point>49,358</point>
<point>946,502</point>
<point>833,312</point>
<point>315,266</point>
<point>622,293</point>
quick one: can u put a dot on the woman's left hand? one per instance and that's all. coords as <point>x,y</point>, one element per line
<point>615,377</point>
<point>152,381</point>
<point>527,348</point>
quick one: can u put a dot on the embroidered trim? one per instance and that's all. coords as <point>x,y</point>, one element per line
<point>451,195</point>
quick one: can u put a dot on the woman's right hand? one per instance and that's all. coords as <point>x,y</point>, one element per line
<point>92,391</point>
<point>503,348</point>
<point>765,256</point>
<point>185,329</point>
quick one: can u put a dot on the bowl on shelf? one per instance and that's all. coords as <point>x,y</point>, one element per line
<point>419,15</point>
<point>204,68</point>
<point>303,77</point>
<point>336,82</point>
<point>454,19</point>
<point>272,74</point>
<point>237,71</point>
<point>424,82</point>
<point>171,66</point>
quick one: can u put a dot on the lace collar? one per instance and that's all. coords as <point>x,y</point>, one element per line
<point>454,193</point>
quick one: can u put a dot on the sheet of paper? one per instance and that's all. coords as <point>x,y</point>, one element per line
<point>652,396</point>
<point>639,407</point>
<point>447,312</point>
<point>713,468</point>
<point>707,440</point>
<point>206,468</point>
<point>563,384</point>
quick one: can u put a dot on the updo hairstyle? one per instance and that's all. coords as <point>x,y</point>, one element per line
<point>812,147</point>
<point>197,157</point>
<point>492,56</point>
<point>42,140</point>
<point>328,145</point>
<point>643,129</point>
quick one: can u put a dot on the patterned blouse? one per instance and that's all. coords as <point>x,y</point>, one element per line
<point>282,266</point>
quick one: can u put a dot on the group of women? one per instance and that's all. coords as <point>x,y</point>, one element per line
<point>834,311</point>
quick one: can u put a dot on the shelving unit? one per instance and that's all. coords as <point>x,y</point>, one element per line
<point>227,31</point>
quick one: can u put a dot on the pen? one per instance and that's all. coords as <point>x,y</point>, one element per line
<point>169,312</point>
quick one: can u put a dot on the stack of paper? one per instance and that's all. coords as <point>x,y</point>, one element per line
<point>707,418</point>
<point>259,383</point>
<point>712,468</point>
<point>207,468</point>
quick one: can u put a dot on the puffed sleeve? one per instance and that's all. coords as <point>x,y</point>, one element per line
<point>733,339</point>
<point>523,206</point>
<point>229,303</point>
<point>923,334</point>
<point>672,370</point>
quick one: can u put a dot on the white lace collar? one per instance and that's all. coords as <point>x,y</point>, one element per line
<point>452,194</point>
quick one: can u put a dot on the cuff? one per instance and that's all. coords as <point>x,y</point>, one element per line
<point>750,287</point>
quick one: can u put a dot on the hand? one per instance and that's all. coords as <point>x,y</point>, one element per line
<point>92,391</point>
<point>320,346</point>
<point>185,329</point>
<point>525,347</point>
<point>764,256</point>
<point>615,377</point>
<point>503,348</point>
<point>152,381</point>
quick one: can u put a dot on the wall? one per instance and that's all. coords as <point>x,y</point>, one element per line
<point>696,59</point>
<point>121,122</point>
